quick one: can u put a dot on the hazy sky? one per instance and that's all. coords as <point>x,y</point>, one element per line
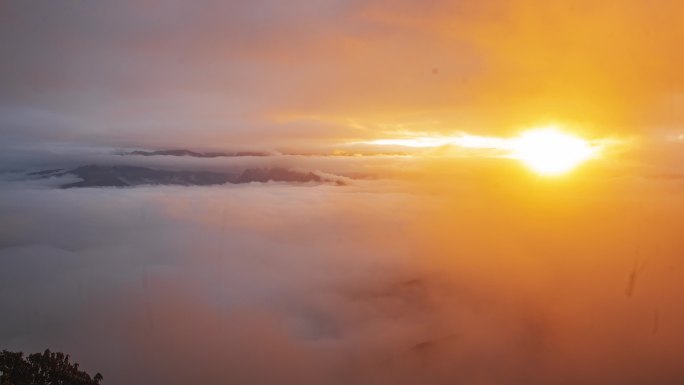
<point>438,265</point>
<point>220,73</point>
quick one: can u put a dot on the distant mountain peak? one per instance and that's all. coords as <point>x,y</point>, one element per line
<point>184,152</point>
<point>124,176</point>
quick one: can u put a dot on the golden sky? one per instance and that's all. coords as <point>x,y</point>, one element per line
<point>507,208</point>
<point>305,73</point>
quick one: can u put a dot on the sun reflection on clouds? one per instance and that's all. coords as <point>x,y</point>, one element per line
<point>547,150</point>
<point>463,140</point>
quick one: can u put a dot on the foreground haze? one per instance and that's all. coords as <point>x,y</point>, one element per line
<point>345,192</point>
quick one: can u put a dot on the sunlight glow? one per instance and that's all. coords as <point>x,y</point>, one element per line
<point>550,151</point>
<point>546,150</point>
<point>464,140</point>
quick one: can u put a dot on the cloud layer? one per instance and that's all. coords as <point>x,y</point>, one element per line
<point>376,283</point>
<point>441,268</point>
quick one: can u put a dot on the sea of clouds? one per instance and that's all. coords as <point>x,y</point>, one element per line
<point>436,281</point>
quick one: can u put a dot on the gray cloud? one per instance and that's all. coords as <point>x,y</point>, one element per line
<point>229,72</point>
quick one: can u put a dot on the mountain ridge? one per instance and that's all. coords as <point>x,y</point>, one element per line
<point>128,176</point>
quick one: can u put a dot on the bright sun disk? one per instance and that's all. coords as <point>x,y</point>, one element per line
<point>549,151</point>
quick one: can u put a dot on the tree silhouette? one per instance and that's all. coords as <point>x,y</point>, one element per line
<point>45,368</point>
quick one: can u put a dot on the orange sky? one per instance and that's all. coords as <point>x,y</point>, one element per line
<point>422,265</point>
<point>213,74</point>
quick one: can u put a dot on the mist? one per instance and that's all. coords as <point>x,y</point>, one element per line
<point>381,282</point>
<point>390,227</point>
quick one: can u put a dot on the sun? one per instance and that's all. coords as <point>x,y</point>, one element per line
<point>550,151</point>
